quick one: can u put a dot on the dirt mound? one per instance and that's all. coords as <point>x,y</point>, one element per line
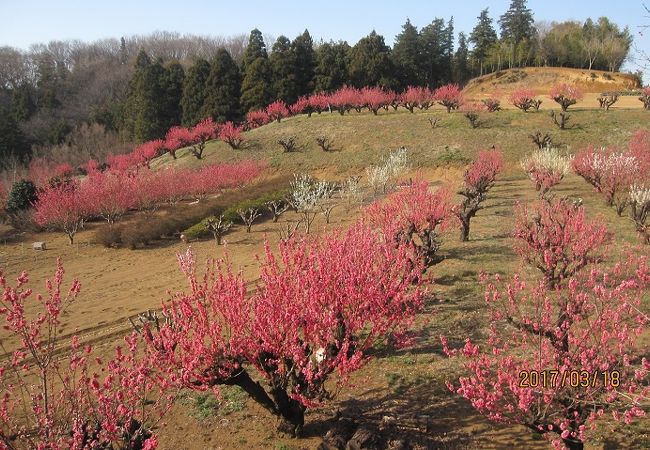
<point>540,79</point>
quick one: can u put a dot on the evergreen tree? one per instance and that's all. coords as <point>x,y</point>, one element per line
<point>13,144</point>
<point>194,92</point>
<point>436,40</point>
<point>448,52</point>
<point>305,63</point>
<point>23,102</point>
<point>283,64</point>
<point>124,57</point>
<point>517,26</point>
<point>223,89</point>
<point>331,66</point>
<point>256,49</point>
<point>48,84</point>
<point>256,86</point>
<point>461,57</point>
<point>370,63</point>
<point>147,104</point>
<point>172,81</point>
<point>406,56</point>
<point>482,37</point>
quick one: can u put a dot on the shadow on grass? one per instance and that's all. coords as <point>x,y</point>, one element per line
<point>419,412</point>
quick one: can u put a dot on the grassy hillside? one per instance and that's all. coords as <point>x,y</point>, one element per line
<point>363,139</point>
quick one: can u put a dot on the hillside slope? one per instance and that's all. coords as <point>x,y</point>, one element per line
<point>364,139</point>
<point>540,79</point>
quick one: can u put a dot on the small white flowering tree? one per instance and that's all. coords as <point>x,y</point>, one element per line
<point>308,195</point>
<point>640,209</point>
<point>546,167</point>
<point>383,176</point>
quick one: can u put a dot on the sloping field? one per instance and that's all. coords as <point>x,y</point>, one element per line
<point>541,79</point>
<point>409,385</point>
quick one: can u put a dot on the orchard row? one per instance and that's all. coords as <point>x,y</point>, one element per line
<point>109,195</point>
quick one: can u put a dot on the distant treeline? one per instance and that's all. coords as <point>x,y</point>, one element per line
<point>71,100</point>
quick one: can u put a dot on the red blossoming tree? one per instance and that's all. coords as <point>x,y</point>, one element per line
<point>62,207</point>
<point>416,216</point>
<point>449,96</point>
<point>277,111</point>
<point>563,351</point>
<point>74,403</point>
<point>479,178</point>
<point>231,134</point>
<point>566,95</point>
<point>524,99</point>
<point>201,133</point>
<point>375,98</point>
<point>318,308</point>
<point>257,118</point>
<point>109,194</point>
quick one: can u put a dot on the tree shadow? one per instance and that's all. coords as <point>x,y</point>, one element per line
<point>407,415</point>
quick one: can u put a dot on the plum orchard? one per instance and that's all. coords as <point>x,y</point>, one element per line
<point>111,194</point>
<point>581,316</point>
<point>317,310</point>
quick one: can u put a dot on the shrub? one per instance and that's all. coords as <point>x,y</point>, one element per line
<point>449,156</point>
<point>606,101</point>
<point>561,119</point>
<point>108,236</point>
<point>324,143</point>
<point>218,226</point>
<point>491,104</point>
<point>248,215</point>
<point>21,196</point>
<point>471,112</point>
<point>288,144</point>
<point>541,140</point>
